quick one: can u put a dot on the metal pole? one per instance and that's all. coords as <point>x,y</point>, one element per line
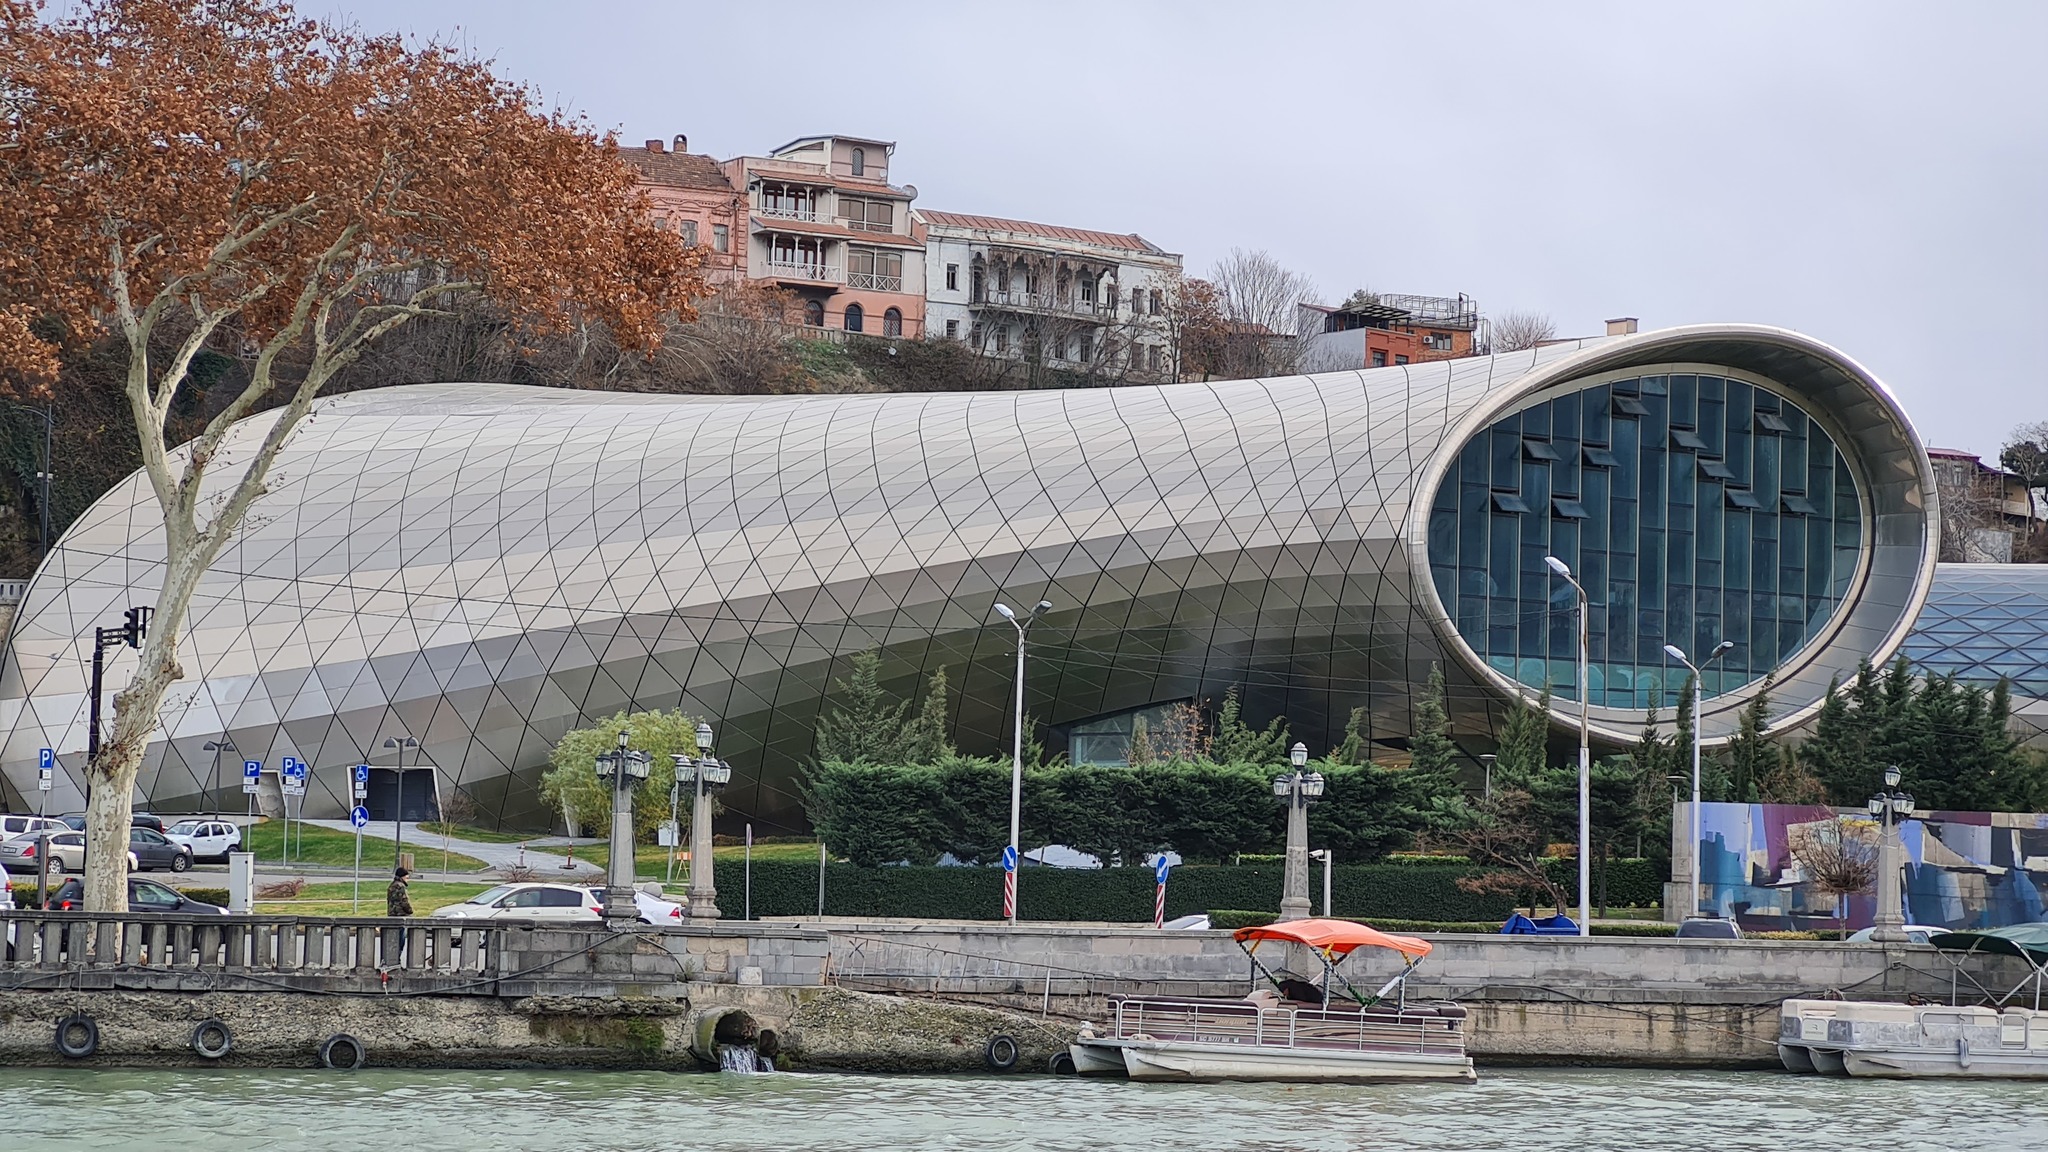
<point>1016,787</point>
<point>675,827</point>
<point>398,812</point>
<point>821,879</point>
<point>1585,772</point>
<point>1692,898</point>
<point>748,868</point>
<point>1327,854</point>
<point>619,906</point>
<point>356,900</point>
<point>49,436</point>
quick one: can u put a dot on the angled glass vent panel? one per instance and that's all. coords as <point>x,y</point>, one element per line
<point>1715,469</point>
<point>1771,422</point>
<point>1535,449</point>
<point>1687,439</point>
<point>1629,406</point>
<point>1742,498</point>
<point>1567,508</point>
<point>1509,502</point>
<point>1799,505</point>
<point>1598,457</point>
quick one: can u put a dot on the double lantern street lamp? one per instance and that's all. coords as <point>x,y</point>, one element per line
<point>625,768</point>
<point>706,774</point>
<point>1889,808</point>
<point>1698,679</point>
<point>1585,755</point>
<point>1299,789</point>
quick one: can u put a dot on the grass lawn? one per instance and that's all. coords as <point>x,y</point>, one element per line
<point>479,835</point>
<point>651,860</point>
<point>328,846</point>
<point>331,898</point>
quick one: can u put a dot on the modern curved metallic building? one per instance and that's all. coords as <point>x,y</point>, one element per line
<point>484,567</point>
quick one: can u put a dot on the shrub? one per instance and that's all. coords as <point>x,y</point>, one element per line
<point>280,890</point>
<point>1232,919</point>
<point>214,895</point>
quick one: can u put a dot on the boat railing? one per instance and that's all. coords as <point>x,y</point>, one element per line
<point>1286,1026</point>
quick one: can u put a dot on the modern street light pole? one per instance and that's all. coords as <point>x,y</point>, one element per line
<point>1698,694</point>
<point>48,416</point>
<point>1890,807</point>
<point>707,774</point>
<point>401,743</point>
<point>1014,858</point>
<point>217,747</point>
<point>1299,789</point>
<point>1585,755</point>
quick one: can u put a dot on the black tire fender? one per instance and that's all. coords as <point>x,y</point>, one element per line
<point>82,1045</point>
<point>1001,1053</point>
<point>1061,1064</point>
<point>212,1039</point>
<point>342,1052</point>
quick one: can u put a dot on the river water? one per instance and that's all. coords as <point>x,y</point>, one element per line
<point>418,1111</point>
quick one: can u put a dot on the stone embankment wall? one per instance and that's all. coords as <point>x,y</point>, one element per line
<point>806,1028</point>
<point>1613,1000</point>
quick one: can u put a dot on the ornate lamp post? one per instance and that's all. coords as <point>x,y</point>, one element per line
<point>1299,789</point>
<point>625,768</point>
<point>1890,807</point>
<point>706,774</point>
<point>1698,682</point>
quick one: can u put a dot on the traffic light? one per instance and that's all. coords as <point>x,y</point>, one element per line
<point>137,626</point>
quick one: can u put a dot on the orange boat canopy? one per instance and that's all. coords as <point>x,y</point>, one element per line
<point>1335,937</point>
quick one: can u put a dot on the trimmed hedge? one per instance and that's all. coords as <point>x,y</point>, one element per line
<point>1368,891</point>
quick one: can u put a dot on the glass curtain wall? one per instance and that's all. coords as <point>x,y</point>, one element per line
<point>1694,508</point>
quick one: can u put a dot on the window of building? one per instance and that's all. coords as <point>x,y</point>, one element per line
<point>1087,347</point>
<point>1086,286</point>
<point>867,215</point>
<point>892,322</point>
<point>814,313</point>
<point>1400,359</point>
<point>860,161</point>
<point>1109,296</point>
<point>1152,302</point>
<point>1379,358</point>
<point>1003,277</point>
<point>1152,357</point>
<point>1756,543</point>
<point>952,277</point>
<point>875,270</point>
<point>689,230</point>
<point>1003,338</point>
<point>854,317</point>
<point>1031,280</point>
<point>721,238</point>
<point>952,329</point>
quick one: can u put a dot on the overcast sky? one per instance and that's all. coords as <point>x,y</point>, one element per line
<point>1874,175</point>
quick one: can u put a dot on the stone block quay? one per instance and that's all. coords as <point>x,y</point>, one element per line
<point>868,995</point>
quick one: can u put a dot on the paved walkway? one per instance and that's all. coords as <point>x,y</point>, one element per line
<point>544,854</point>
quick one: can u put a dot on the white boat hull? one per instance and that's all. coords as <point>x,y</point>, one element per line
<point>1915,1065</point>
<point>1912,1041</point>
<point>1098,1057</point>
<point>1174,1060</point>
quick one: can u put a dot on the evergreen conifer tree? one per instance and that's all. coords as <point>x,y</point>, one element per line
<point>925,738</point>
<point>864,726</point>
<point>1237,743</point>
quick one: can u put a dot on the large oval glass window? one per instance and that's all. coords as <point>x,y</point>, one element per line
<point>1695,508</point>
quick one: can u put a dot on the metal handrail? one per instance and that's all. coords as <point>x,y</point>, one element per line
<point>1227,1022</point>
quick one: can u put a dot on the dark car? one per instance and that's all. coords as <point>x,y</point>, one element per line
<point>74,821</point>
<point>145,820</point>
<point>153,849</point>
<point>143,896</point>
<point>1708,928</point>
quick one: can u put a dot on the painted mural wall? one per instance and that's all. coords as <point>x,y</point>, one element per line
<point>1785,866</point>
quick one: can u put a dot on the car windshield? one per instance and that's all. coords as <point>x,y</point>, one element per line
<point>186,827</point>
<point>489,895</point>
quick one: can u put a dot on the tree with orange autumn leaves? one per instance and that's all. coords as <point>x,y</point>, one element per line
<point>286,192</point>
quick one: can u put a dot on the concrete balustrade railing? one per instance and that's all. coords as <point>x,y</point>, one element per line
<point>373,948</point>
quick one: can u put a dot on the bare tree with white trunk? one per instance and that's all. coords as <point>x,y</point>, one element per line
<point>1516,331</point>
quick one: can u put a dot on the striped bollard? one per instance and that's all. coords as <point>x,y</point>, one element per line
<point>1010,882</point>
<point>1159,870</point>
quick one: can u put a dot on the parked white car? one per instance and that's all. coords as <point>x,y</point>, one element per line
<point>17,825</point>
<point>1915,933</point>
<point>208,839</point>
<point>527,903</point>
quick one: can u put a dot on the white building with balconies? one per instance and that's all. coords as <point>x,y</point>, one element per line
<point>1067,298</point>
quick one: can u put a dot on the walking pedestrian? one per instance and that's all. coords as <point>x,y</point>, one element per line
<point>398,901</point>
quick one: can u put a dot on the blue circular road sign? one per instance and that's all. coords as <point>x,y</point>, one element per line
<point>359,815</point>
<point>1010,858</point>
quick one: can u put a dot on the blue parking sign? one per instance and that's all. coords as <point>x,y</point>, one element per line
<point>252,769</point>
<point>48,760</point>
